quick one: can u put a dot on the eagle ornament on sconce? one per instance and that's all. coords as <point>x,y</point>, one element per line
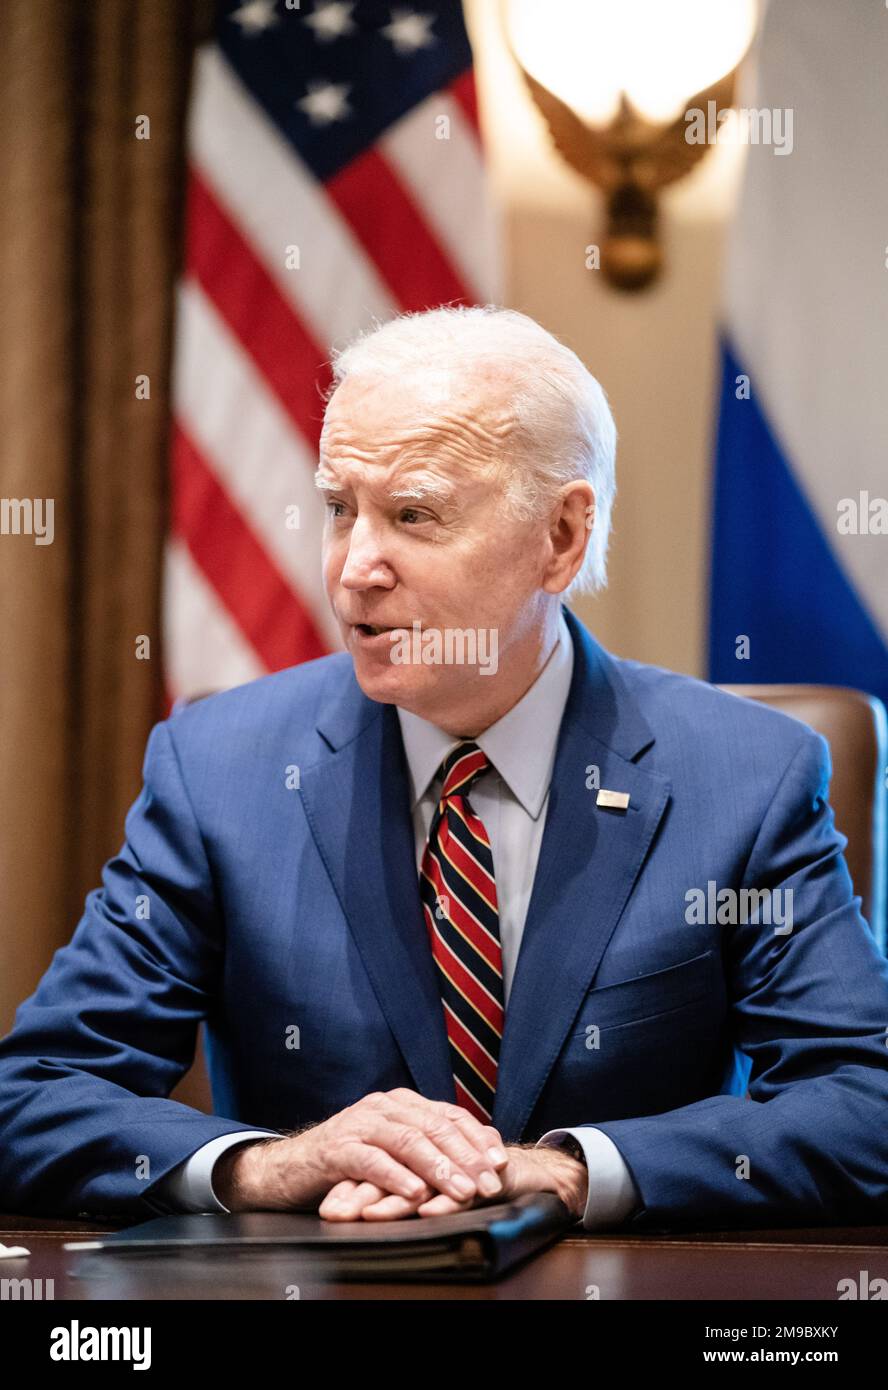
<point>630,160</point>
<point>611,79</point>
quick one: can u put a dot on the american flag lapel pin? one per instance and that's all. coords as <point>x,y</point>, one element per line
<point>618,801</point>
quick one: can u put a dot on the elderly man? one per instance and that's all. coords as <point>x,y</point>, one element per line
<point>465,906</point>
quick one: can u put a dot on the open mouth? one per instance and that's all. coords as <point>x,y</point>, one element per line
<point>370,631</point>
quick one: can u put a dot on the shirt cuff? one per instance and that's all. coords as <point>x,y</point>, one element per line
<point>190,1184</point>
<point>612,1193</point>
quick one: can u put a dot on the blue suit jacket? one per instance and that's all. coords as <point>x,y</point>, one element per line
<point>290,919</point>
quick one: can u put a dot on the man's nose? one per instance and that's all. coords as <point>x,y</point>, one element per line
<point>365,563</point>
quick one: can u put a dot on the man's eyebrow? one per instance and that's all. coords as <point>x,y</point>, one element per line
<point>436,492</point>
<point>324,481</point>
<point>417,490</point>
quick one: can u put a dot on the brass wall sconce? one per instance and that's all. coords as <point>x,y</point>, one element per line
<point>630,158</point>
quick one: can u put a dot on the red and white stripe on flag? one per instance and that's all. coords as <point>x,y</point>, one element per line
<point>391,230</point>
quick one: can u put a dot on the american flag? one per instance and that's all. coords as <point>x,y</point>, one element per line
<point>335,179</point>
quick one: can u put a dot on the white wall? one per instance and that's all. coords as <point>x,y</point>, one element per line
<point>655,353</point>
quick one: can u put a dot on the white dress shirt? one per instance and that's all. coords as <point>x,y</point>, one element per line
<point>511,798</point>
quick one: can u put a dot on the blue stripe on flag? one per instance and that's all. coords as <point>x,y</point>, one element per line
<point>774,575</point>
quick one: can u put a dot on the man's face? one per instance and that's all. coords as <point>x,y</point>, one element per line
<point>450,557</point>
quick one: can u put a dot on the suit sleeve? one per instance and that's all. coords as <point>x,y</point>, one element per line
<point>85,1074</point>
<point>809,1009</point>
<point>611,1194</point>
<point>189,1186</point>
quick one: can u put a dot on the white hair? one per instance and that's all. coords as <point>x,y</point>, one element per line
<point>560,412</point>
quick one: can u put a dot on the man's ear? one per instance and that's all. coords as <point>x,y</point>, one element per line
<point>570,526</point>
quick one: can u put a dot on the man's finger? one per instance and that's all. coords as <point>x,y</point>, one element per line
<point>482,1137</point>
<point>487,1140</point>
<point>370,1160</point>
<point>389,1208</point>
<point>440,1150</point>
<point>403,1137</point>
<point>347,1199</point>
<point>442,1205</point>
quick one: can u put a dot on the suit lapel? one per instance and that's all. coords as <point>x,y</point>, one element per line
<point>357,801</point>
<point>589,860</point>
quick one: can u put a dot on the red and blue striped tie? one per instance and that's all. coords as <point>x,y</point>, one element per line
<point>458,892</point>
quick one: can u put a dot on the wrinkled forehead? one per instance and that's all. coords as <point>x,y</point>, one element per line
<point>427,402</point>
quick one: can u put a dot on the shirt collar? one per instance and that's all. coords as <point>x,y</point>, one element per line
<point>520,745</point>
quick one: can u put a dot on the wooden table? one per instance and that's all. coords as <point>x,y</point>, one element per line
<point>727,1265</point>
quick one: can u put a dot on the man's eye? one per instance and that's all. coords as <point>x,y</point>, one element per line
<point>407,512</point>
<point>331,502</point>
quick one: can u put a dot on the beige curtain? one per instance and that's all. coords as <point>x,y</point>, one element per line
<point>90,231</point>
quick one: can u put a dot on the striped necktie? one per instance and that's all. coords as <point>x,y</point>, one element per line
<point>458,893</point>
